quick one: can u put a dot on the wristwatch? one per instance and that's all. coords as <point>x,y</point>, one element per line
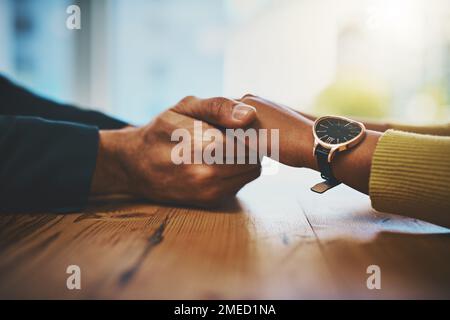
<point>333,134</point>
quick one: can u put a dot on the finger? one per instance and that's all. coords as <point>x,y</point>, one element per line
<point>230,171</point>
<point>233,185</point>
<point>231,145</point>
<point>218,111</point>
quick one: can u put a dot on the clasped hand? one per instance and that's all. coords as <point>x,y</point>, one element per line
<point>138,160</point>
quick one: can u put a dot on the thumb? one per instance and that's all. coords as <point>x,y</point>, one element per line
<point>217,111</point>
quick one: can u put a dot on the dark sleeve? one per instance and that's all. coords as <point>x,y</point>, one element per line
<point>45,165</point>
<point>15,100</point>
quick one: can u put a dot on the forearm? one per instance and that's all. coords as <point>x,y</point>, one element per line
<point>404,173</point>
<point>296,144</point>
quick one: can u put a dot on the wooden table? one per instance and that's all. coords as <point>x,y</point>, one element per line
<point>276,240</point>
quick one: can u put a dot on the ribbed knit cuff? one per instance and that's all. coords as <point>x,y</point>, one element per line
<point>410,175</point>
<point>438,130</point>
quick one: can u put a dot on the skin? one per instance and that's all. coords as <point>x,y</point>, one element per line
<point>137,161</point>
<point>352,167</point>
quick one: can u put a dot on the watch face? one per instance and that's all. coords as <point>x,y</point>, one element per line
<point>336,130</point>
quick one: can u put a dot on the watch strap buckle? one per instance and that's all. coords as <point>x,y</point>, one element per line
<point>325,186</point>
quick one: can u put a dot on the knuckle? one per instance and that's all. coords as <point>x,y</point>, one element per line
<point>217,102</point>
<point>160,129</point>
<point>217,106</point>
<point>185,101</point>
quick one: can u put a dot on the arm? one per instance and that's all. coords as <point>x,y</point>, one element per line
<point>297,142</point>
<point>404,173</point>
<point>45,165</point>
<point>55,165</point>
<point>16,100</point>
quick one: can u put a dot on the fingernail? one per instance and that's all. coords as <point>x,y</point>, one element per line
<point>241,110</point>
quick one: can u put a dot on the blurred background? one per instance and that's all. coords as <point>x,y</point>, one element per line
<point>383,59</point>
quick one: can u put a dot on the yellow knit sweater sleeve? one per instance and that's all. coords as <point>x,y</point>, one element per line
<point>410,176</point>
<point>438,130</point>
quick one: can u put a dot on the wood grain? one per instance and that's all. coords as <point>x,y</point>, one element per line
<point>276,240</point>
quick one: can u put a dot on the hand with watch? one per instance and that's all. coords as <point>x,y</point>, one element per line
<point>333,134</point>
<point>340,149</point>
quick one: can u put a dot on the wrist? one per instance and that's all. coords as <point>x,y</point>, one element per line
<point>110,175</point>
<point>305,152</point>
